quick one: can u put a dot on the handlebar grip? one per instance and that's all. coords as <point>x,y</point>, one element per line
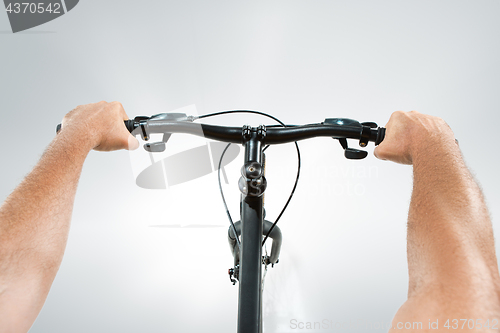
<point>380,135</point>
<point>128,123</point>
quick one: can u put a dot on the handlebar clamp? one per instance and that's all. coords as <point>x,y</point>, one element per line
<point>261,132</point>
<point>246,132</point>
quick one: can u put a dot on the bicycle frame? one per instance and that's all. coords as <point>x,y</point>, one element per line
<point>252,219</point>
<point>252,185</point>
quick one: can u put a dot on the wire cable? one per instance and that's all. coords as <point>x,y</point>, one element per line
<point>220,185</point>
<point>241,111</point>
<point>289,198</point>
<point>266,257</point>
<point>224,199</point>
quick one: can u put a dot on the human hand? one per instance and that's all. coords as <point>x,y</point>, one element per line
<point>100,125</point>
<point>410,134</point>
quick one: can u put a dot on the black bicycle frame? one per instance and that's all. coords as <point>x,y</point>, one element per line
<point>252,217</point>
<point>249,255</point>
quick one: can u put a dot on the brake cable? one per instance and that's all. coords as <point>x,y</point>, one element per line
<point>224,199</point>
<point>220,162</point>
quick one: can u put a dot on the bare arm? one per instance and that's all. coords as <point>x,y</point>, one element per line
<point>35,218</point>
<point>452,265</point>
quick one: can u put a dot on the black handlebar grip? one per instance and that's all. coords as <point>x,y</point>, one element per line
<point>380,135</point>
<point>130,125</point>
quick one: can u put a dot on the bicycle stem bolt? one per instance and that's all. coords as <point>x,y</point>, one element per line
<point>252,170</point>
<point>246,132</point>
<point>261,132</point>
<point>252,187</point>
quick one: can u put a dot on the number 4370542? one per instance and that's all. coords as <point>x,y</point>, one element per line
<point>33,8</point>
<point>470,324</point>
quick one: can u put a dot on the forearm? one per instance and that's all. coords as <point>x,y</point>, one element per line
<point>450,237</point>
<point>452,264</point>
<point>35,220</point>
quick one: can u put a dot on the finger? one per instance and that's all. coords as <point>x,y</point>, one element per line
<point>394,118</point>
<point>121,109</point>
<point>132,142</point>
<point>379,153</point>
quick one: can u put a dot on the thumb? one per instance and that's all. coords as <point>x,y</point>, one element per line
<point>377,154</point>
<point>133,144</point>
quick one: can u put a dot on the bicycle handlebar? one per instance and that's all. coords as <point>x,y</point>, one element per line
<point>336,128</point>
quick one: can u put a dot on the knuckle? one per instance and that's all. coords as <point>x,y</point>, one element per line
<point>395,116</point>
<point>414,115</point>
<point>117,104</point>
<point>398,114</point>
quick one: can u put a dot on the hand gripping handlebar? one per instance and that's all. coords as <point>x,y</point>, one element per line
<point>247,253</point>
<point>336,128</point>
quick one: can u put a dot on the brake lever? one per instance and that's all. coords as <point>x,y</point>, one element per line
<point>350,153</point>
<point>158,147</point>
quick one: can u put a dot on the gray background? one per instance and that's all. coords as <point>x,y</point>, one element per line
<point>343,257</point>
